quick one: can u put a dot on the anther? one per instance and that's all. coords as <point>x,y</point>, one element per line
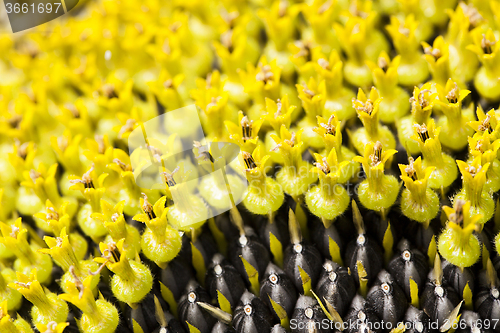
<point>452,95</point>
<point>169,177</point>
<point>366,107</point>
<point>249,161</point>
<point>147,207</point>
<point>487,45</point>
<point>376,157</point>
<point>422,132</point>
<point>246,128</point>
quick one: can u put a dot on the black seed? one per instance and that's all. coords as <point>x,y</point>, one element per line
<point>360,319</point>
<point>220,327</point>
<point>252,250</point>
<point>307,257</point>
<point>144,313</point>
<point>308,316</point>
<point>376,227</point>
<point>176,276</point>
<point>438,300</point>
<point>205,243</point>
<point>226,226</point>
<point>366,250</point>
<point>408,263</point>
<point>387,299</point>
<point>422,236</point>
<point>277,285</point>
<point>223,277</point>
<point>417,321</point>
<point>190,311</point>
<point>487,299</point>
<point>336,285</point>
<point>458,278</point>
<point>322,235</point>
<point>470,322</point>
<point>279,228</point>
<point>252,315</point>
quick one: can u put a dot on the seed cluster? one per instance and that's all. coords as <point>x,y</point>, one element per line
<point>368,138</point>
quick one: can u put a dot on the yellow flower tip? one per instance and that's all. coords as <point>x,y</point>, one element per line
<point>487,122</point>
<point>28,285</point>
<point>327,127</point>
<point>424,132</point>
<point>451,93</point>
<point>16,231</point>
<point>367,106</point>
<point>80,292</point>
<point>459,214</point>
<point>414,172</point>
<point>423,99</point>
<point>438,52</point>
<point>245,133</point>
<point>485,44</point>
<point>85,182</point>
<point>384,65</point>
<point>374,156</point>
<point>111,252</point>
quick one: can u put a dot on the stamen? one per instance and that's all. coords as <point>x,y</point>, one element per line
<point>246,128</point>
<point>291,142</point>
<point>458,216</point>
<point>34,175</point>
<point>422,131</point>
<point>213,102</point>
<point>52,214</point>
<point>308,91</point>
<point>435,52</point>
<point>366,107</point>
<point>278,111</point>
<point>265,74</point>
<point>122,165</point>
<point>147,207</point>
<point>77,281</point>
<point>485,125</point>
<point>376,157</point>
<point>422,101</point>
<point>330,129</point>
<point>404,31</point>
<point>203,152</point>
<point>382,64</point>
<point>249,161</point>
<point>323,166</point>
<point>487,45</point>
<point>155,151</point>
<point>472,170</point>
<point>452,96</point>
<point>410,169</point>
<point>14,231</point>
<point>129,126</point>
<point>72,108</point>
<point>109,91</point>
<point>324,63</point>
<point>100,143</point>
<point>169,177</point>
